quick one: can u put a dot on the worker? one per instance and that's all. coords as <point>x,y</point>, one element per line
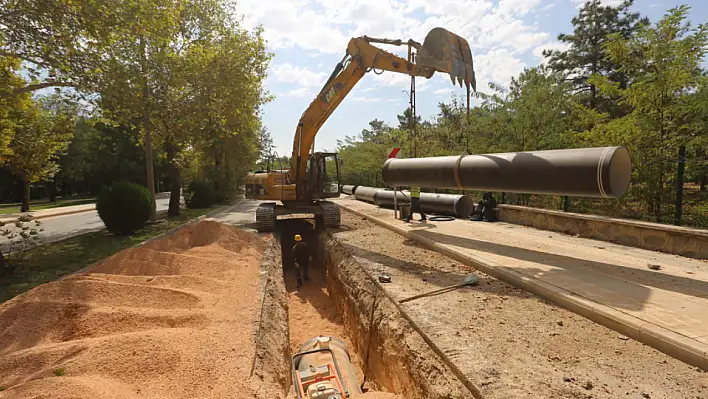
<point>415,204</point>
<point>485,209</point>
<point>301,255</point>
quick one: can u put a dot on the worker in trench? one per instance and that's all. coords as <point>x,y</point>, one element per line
<point>415,204</point>
<point>301,256</point>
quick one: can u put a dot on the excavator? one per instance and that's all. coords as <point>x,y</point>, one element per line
<point>314,177</point>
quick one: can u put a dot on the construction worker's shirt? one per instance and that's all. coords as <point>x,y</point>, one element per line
<point>415,192</point>
<point>301,253</point>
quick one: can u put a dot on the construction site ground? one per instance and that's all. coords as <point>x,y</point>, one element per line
<point>179,317</point>
<point>514,344</point>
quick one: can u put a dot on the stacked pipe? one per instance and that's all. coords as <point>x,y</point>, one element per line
<point>460,206</point>
<point>348,189</point>
<point>365,194</point>
<point>602,172</point>
<point>456,205</point>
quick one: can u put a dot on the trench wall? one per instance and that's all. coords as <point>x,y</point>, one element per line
<point>684,241</point>
<point>400,360</point>
<point>271,365</point>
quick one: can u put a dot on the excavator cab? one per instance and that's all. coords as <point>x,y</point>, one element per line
<point>323,175</point>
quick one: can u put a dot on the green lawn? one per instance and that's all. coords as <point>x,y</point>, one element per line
<point>36,206</point>
<point>52,261</point>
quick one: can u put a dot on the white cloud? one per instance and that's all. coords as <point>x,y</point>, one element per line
<point>299,93</point>
<point>440,92</point>
<point>302,76</point>
<point>538,51</point>
<point>612,3</point>
<point>360,99</point>
<point>498,65</point>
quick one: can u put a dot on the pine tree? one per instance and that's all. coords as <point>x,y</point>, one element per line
<point>587,56</point>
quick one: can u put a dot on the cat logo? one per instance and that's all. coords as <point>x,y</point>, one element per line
<point>331,93</point>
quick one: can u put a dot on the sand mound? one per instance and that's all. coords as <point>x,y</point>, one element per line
<point>174,318</point>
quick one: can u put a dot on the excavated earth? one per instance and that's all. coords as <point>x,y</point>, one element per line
<point>506,342</point>
<point>174,318</point>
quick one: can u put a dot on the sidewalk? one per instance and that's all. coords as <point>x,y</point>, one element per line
<point>46,213</point>
<point>608,283</point>
<point>64,210</point>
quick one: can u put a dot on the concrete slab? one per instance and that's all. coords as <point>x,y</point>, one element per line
<point>608,283</point>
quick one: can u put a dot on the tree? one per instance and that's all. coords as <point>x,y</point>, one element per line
<point>663,63</point>
<point>587,56</point>
<point>43,133</point>
<point>59,42</point>
<point>265,147</point>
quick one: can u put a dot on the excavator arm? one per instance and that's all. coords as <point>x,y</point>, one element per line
<point>442,51</point>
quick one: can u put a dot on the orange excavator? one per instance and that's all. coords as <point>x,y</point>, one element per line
<point>314,177</point>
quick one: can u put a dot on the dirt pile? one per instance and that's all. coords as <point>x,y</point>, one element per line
<point>175,318</point>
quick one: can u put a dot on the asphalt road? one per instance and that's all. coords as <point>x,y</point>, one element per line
<point>63,227</point>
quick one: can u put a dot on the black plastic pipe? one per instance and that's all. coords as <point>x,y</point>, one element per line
<point>365,193</point>
<point>456,205</point>
<point>348,189</point>
<point>602,172</point>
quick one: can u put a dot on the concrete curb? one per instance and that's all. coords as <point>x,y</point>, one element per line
<point>51,215</point>
<point>171,231</point>
<point>673,344</point>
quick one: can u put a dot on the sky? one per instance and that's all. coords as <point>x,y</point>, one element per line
<point>309,37</point>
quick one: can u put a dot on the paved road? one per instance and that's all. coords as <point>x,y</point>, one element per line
<point>63,227</point>
<point>241,214</point>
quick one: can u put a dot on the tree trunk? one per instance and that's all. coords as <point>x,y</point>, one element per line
<point>175,183</point>
<point>148,136</point>
<point>6,268</point>
<point>53,192</point>
<point>679,184</point>
<point>25,195</point>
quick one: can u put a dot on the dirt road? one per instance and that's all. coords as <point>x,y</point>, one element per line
<point>512,344</point>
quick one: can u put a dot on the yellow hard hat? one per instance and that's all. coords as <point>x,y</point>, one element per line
<point>297,237</point>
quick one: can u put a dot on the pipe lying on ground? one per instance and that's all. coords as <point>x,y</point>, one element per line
<point>583,172</point>
<point>384,198</point>
<point>365,193</point>
<point>349,189</point>
<point>456,205</point>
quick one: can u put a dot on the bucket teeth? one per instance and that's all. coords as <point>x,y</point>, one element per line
<point>447,52</point>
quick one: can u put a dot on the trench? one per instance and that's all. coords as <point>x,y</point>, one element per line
<point>337,301</point>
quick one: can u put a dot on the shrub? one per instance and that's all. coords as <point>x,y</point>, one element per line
<point>124,207</point>
<point>199,194</point>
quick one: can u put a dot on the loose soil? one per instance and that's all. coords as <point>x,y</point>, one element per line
<point>175,318</point>
<point>511,343</point>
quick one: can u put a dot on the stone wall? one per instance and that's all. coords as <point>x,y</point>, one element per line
<point>677,240</point>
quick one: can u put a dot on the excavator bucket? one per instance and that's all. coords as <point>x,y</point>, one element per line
<point>447,52</point>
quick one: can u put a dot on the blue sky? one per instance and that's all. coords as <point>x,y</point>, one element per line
<point>308,38</point>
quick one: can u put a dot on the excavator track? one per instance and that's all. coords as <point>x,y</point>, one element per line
<point>331,214</point>
<point>265,217</point>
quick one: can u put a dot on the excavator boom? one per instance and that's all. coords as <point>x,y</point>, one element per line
<point>301,187</point>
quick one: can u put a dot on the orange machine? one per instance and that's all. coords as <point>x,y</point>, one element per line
<point>314,176</point>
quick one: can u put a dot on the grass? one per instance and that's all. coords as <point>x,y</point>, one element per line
<point>60,372</point>
<point>36,206</point>
<point>52,261</point>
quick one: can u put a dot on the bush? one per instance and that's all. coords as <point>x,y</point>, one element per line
<point>200,194</point>
<point>124,207</point>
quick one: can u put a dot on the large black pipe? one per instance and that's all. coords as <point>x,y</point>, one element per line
<point>365,193</point>
<point>348,189</point>
<point>584,172</point>
<point>384,198</point>
<point>456,205</point>
<point>460,206</point>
